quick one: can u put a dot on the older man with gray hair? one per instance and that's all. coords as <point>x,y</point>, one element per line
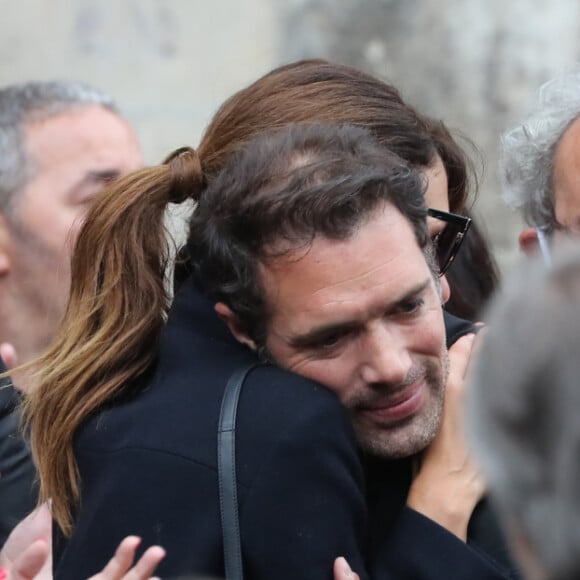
<point>60,142</point>
<point>523,413</point>
<point>541,164</point>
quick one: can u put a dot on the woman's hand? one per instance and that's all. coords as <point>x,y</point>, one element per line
<point>26,555</point>
<point>448,484</point>
<point>119,564</point>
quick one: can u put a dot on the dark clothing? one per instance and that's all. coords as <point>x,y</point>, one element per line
<point>148,467</point>
<point>18,489</point>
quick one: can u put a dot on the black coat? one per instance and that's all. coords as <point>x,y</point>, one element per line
<point>18,488</point>
<point>148,467</point>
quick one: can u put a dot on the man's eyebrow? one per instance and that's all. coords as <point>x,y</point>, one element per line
<point>90,178</point>
<point>320,333</point>
<point>102,175</point>
<point>414,291</point>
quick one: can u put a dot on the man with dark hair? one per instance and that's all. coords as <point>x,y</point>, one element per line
<point>288,290</point>
<point>312,246</point>
<point>319,259</point>
<point>60,142</point>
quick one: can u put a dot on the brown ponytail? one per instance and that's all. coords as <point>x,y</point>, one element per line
<point>117,306</point>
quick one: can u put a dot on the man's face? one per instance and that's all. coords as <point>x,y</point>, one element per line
<point>73,155</point>
<point>566,179</point>
<point>565,182</point>
<point>363,317</point>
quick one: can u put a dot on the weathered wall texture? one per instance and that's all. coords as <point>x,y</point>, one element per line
<point>169,63</point>
<point>475,63</point>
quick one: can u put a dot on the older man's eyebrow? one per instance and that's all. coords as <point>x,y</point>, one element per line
<point>104,175</point>
<point>91,182</point>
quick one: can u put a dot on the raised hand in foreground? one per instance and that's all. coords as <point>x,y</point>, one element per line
<point>26,554</point>
<point>448,484</point>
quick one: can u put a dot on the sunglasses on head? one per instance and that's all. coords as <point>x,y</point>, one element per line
<point>447,242</point>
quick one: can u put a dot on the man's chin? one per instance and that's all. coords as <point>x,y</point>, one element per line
<point>397,442</point>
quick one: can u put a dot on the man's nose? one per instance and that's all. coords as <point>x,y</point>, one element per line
<point>385,357</point>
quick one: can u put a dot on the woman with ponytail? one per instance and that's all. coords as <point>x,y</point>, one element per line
<point>124,421</point>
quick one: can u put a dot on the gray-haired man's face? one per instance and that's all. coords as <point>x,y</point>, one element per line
<point>565,186</point>
<point>566,180</point>
<point>72,155</point>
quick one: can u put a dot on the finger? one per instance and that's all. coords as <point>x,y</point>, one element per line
<point>29,563</point>
<point>479,339</point>
<point>146,564</point>
<point>121,561</point>
<point>39,522</point>
<point>342,570</point>
<point>8,354</point>
<point>36,526</point>
<point>459,356</point>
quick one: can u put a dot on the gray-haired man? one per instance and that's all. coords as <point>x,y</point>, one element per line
<point>541,164</point>
<point>60,142</point>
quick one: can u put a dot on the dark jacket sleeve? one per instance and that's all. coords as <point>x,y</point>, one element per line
<point>419,548</point>
<point>18,490</point>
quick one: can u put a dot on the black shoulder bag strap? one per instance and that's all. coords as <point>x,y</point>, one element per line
<point>228,489</point>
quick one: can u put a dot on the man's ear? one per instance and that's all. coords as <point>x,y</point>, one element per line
<point>5,247</point>
<point>528,241</point>
<point>234,324</point>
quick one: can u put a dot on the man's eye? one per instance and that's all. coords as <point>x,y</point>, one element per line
<point>411,306</point>
<point>328,342</point>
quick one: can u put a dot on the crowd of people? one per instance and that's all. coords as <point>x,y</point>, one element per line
<point>291,403</point>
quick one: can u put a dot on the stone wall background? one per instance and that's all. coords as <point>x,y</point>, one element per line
<point>475,63</point>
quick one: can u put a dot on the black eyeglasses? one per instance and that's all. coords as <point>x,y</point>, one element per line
<point>447,242</point>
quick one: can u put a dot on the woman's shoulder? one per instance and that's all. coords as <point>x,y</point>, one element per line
<point>277,404</point>
<point>288,422</point>
<point>285,392</point>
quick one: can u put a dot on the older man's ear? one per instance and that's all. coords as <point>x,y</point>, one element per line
<point>528,241</point>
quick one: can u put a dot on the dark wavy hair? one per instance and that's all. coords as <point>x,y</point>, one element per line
<point>281,192</point>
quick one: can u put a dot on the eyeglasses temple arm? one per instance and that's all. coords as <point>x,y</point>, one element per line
<point>544,247</point>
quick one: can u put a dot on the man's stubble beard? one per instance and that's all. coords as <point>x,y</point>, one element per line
<point>413,435</point>
<point>421,429</point>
